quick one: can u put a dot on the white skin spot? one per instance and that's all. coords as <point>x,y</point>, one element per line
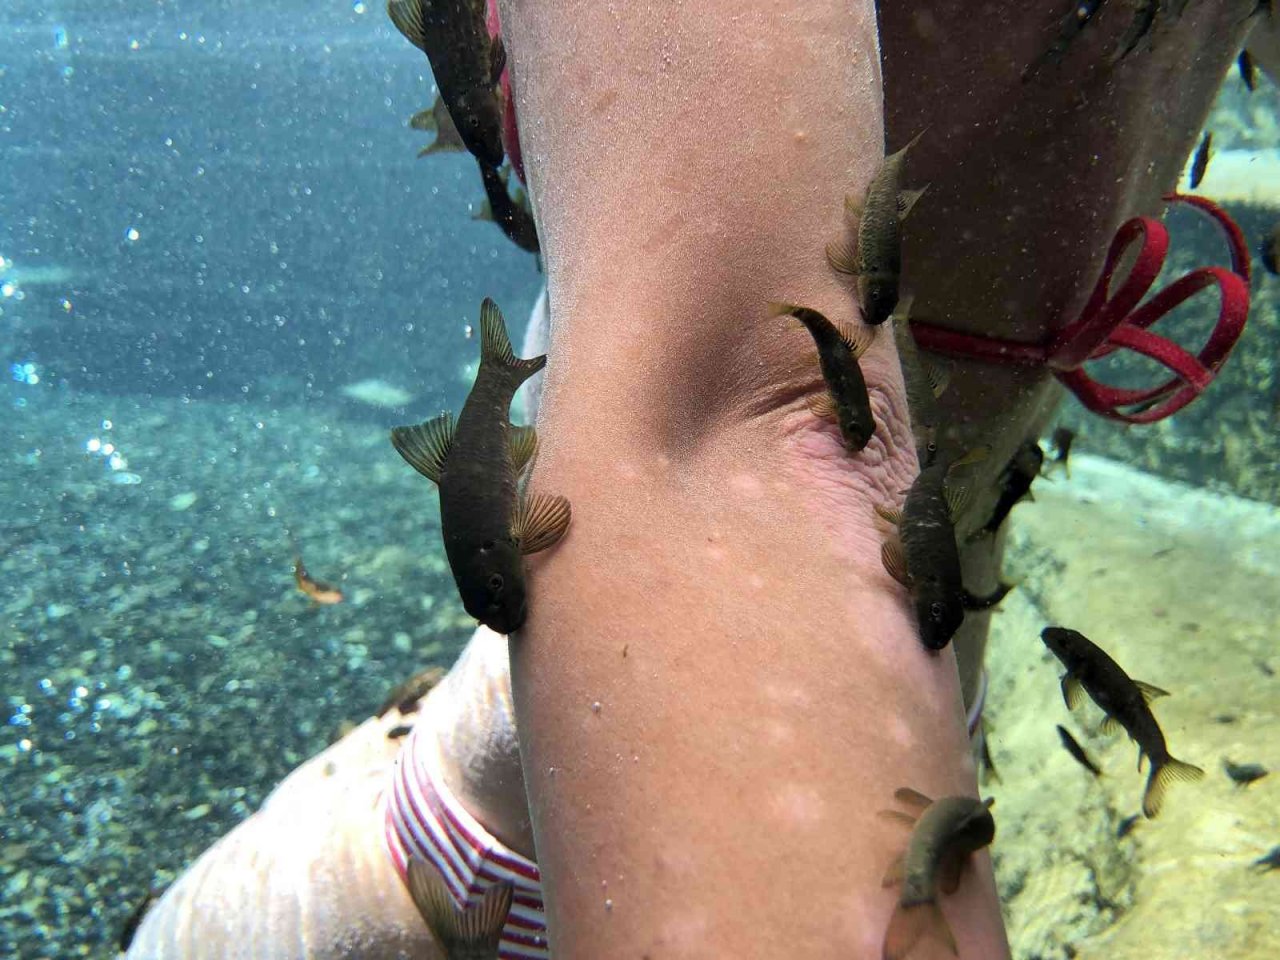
<point>746,484</point>
<point>799,805</point>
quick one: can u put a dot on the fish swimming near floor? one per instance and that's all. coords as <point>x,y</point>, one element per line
<point>1270,251</point>
<point>1125,701</point>
<point>1015,485</point>
<point>465,63</point>
<point>470,934</point>
<point>945,834</point>
<point>878,216</point>
<point>512,214</point>
<point>320,592</point>
<point>924,557</point>
<point>1243,774</point>
<point>1248,69</point>
<point>1070,26</point>
<point>405,696</point>
<point>1200,163</point>
<point>1077,752</point>
<point>839,347</point>
<point>1269,861</point>
<point>487,526</point>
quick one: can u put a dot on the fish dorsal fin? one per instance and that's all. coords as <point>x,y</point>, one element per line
<point>540,522</point>
<point>477,927</point>
<point>1149,691</point>
<point>523,442</point>
<point>897,816</point>
<point>425,447</point>
<point>495,345</point>
<point>938,374</point>
<point>856,338</point>
<point>1071,691</point>
<point>912,798</point>
<point>907,199</point>
<point>823,406</point>
<point>895,562</point>
<point>407,17</point>
<point>497,59</point>
<point>841,258</point>
<point>891,514</point>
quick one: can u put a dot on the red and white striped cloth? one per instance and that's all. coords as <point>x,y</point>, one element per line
<point>425,819</point>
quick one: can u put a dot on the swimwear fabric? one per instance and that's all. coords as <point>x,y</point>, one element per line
<point>424,818</point>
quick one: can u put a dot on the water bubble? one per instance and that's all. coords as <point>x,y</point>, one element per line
<point>93,445</point>
<point>132,234</point>
<point>60,40</point>
<point>358,6</point>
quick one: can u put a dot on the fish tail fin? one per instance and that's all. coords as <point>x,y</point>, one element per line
<point>910,923</point>
<point>478,926</point>
<point>495,345</point>
<point>1158,781</point>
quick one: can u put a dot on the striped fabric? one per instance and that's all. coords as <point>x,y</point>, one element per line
<point>424,818</point>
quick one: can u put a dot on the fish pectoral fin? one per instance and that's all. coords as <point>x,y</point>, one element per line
<point>1071,691</point>
<point>853,206</point>
<point>841,258</point>
<point>856,338</point>
<point>897,816</point>
<point>1110,725</point>
<point>907,200</point>
<point>912,798</point>
<point>949,872</point>
<point>540,522</point>
<point>957,497</point>
<point>425,447</point>
<point>823,406</point>
<point>523,442</point>
<point>895,562</point>
<point>407,17</point>
<point>891,514</point>
<point>895,872</point>
<point>938,374</point>
<point>1150,691</point>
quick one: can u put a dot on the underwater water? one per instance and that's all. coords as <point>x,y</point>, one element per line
<point>225,275</point>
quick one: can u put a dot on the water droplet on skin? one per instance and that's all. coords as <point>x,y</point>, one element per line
<point>595,707</point>
<point>608,904</point>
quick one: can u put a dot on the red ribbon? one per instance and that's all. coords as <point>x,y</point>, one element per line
<point>1111,321</point>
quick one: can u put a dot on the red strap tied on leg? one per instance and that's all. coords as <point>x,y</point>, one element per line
<point>1112,321</point>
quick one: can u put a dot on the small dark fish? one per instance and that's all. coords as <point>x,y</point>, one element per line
<point>1069,27</point>
<point>471,934</point>
<point>943,837</point>
<point>924,381</point>
<point>1125,827</point>
<point>1244,773</point>
<point>839,347</point>
<point>1062,439</point>
<point>1143,19</point>
<point>877,262</point>
<point>1124,701</point>
<point>1270,249</point>
<point>924,558</point>
<point>989,771</point>
<point>465,63</point>
<point>511,213</point>
<point>322,593</point>
<point>405,696</point>
<point>1077,751</point>
<point>135,918</point>
<point>399,730</point>
<point>1269,862</point>
<point>487,526</point>
<point>1201,161</point>
<point>1015,484</point>
<point>1248,70</point>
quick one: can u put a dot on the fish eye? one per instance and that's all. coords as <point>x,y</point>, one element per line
<point>935,610</point>
<point>496,583</point>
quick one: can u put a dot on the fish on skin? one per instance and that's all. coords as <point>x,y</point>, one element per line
<point>510,213</point>
<point>924,557</point>
<point>943,837</point>
<point>839,347</point>
<point>1125,701</point>
<point>471,934</point>
<point>466,64</point>
<point>487,526</point>
<point>878,216</point>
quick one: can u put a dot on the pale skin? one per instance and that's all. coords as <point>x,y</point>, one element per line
<point>687,166</point>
